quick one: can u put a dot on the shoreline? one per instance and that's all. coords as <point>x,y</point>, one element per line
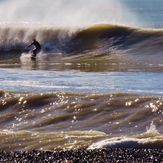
<point>83,156</point>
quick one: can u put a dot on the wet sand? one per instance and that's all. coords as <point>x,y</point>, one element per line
<point>84,156</point>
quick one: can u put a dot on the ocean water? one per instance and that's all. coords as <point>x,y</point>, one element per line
<point>96,83</point>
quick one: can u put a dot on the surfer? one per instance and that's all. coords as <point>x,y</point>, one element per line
<point>36,45</point>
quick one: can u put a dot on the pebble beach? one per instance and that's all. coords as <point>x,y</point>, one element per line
<point>84,156</point>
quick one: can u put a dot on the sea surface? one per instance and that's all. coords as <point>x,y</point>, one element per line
<point>96,83</point>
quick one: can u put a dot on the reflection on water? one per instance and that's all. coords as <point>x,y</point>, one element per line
<point>84,63</point>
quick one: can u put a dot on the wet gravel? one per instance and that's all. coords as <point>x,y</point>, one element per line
<point>84,156</point>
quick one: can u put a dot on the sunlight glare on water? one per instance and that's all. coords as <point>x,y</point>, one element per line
<point>43,81</point>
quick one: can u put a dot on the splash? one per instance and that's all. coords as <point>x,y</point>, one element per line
<point>66,12</point>
<point>152,129</point>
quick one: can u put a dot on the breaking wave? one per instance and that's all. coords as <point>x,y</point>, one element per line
<point>101,38</point>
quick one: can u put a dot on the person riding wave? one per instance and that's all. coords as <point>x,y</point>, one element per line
<point>37,47</point>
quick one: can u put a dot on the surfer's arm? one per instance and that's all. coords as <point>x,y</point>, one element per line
<point>29,45</point>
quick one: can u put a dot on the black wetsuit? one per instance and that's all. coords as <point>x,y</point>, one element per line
<point>37,47</point>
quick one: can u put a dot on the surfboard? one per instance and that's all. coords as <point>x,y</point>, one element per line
<point>33,58</point>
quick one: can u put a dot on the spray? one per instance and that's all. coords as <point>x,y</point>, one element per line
<point>66,12</point>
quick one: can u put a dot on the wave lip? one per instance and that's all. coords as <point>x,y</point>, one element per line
<point>128,143</point>
<point>151,139</point>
